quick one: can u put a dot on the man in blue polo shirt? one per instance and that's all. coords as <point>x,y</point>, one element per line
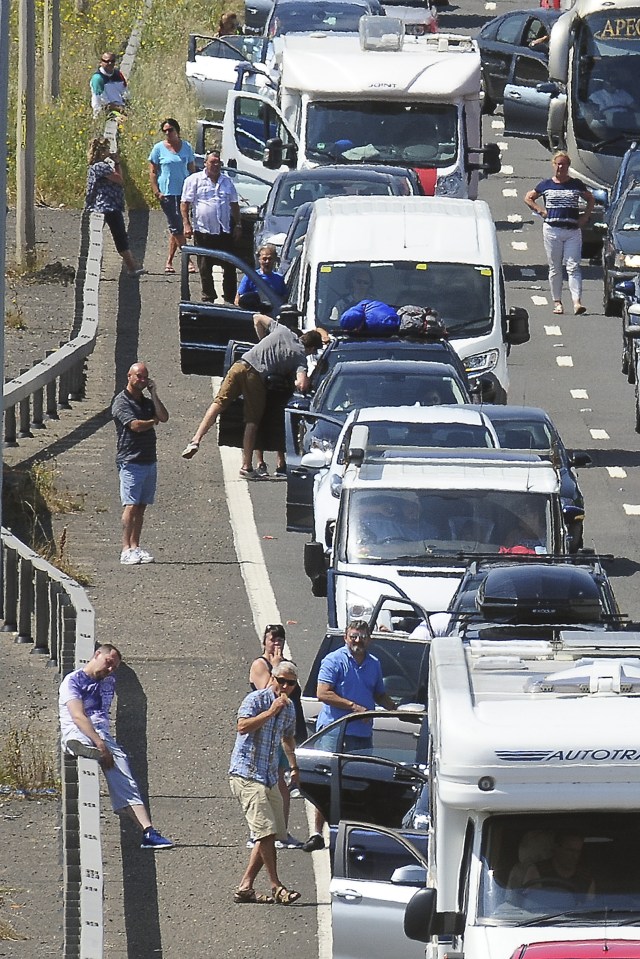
<point>349,681</point>
<point>248,297</point>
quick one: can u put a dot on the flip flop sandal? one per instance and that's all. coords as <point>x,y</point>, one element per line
<point>169,269</point>
<point>558,308</point>
<point>285,897</point>
<point>192,268</point>
<point>250,895</point>
<point>190,450</point>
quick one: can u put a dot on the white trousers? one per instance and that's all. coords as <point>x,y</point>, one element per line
<point>563,246</point>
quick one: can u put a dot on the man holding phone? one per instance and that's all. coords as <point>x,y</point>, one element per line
<point>266,718</point>
<point>136,417</point>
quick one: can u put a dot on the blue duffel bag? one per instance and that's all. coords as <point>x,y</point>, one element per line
<point>370,317</point>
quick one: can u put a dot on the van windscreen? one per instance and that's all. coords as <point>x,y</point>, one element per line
<point>462,293</point>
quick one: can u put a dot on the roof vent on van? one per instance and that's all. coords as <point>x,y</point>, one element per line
<point>381,33</point>
<point>595,677</point>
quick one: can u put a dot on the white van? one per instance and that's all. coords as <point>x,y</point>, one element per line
<point>426,251</point>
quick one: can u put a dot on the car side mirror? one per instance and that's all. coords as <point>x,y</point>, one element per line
<point>518,326</point>
<point>411,875</point>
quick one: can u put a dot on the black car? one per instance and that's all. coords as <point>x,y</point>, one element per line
<point>495,598</point>
<point>514,48</point>
<point>621,247</point>
<point>532,430</point>
<point>315,422</point>
<point>292,188</point>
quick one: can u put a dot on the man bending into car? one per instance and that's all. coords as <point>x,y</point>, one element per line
<point>349,681</point>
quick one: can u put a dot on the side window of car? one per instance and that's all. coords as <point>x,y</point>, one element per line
<point>510,30</point>
<point>529,72</point>
<point>375,857</point>
<point>536,35</point>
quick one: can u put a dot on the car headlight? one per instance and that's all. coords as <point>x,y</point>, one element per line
<point>450,185</point>
<point>358,607</point>
<point>481,362</point>
<point>627,261</point>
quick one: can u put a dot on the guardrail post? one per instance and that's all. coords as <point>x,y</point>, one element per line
<point>76,381</point>
<point>10,590</point>
<point>63,386</point>
<point>10,426</point>
<point>37,415</point>
<point>25,601</point>
<point>54,624</point>
<point>52,395</point>
<point>25,413</point>
<point>41,630</point>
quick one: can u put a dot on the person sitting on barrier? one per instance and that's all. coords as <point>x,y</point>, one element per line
<point>84,701</point>
<point>247,296</point>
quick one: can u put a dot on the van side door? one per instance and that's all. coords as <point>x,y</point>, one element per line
<point>250,120</point>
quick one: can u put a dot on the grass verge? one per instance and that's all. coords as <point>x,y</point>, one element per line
<point>28,762</point>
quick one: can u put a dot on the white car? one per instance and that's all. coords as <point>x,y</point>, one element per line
<point>393,429</point>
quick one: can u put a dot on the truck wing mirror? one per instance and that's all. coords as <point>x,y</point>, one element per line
<point>518,326</point>
<point>272,156</point>
<point>490,162</point>
<point>419,916</point>
<point>314,561</point>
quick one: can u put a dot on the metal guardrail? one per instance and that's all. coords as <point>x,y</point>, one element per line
<point>46,607</point>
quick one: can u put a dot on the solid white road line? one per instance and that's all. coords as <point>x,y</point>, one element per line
<point>264,609</point>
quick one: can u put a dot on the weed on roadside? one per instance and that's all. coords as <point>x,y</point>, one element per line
<point>28,763</point>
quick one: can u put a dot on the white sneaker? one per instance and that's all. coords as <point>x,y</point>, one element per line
<point>129,557</point>
<point>143,556</point>
<point>289,843</point>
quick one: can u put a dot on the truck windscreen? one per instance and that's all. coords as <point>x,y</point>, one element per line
<point>415,134</point>
<point>606,103</point>
<point>462,293</point>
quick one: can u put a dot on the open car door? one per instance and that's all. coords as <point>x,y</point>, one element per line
<point>376,872</point>
<point>211,65</point>
<point>250,121</point>
<point>527,101</point>
<point>302,466</point>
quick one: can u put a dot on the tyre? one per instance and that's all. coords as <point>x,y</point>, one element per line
<point>610,306</point>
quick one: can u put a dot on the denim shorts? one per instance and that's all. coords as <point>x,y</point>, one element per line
<point>171,209</point>
<point>138,483</point>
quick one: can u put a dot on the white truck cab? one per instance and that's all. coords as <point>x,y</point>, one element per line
<point>426,251</point>
<point>381,97</point>
<point>416,521</point>
<point>535,774</point>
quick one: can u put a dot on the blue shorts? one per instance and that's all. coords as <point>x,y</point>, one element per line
<point>171,209</point>
<point>138,483</point>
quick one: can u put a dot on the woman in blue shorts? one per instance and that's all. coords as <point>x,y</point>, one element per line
<point>170,163</point>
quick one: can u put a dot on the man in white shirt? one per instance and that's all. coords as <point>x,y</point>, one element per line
<point>211,215</point>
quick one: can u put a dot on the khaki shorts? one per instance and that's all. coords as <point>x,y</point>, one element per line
<point>242,380</point>
<point>262,807</point>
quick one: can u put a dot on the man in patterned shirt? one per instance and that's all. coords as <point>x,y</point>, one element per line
<point>266,718</point>
<point>84,701</point>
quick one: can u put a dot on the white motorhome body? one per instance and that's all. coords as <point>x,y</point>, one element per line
<point>427,251</point>
<point>591,106</point>
<point>415,522</point>
<point>535,748</point>
<point>417,104</point>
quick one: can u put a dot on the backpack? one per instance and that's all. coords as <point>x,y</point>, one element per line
<point>371,318</point>
<point>421,321</point>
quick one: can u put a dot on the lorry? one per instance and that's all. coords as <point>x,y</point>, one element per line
<point>590,106</point>
<point>380,97</point>
<point>417,519</point>
<point>534,825</point>
<point>432,252</point>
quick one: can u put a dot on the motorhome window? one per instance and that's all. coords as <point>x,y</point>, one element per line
<point>544,866</point>
<point>416,134</point>
<point>405,527</point>
<point>461,292</point>
<point>606,103</point>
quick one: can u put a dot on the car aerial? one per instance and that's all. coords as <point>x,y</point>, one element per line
<point>315,422</point>
<point>211,66</point>
<point>514,49</point>
<point>293,188</point>
<point>313,487</point>
<point>621,247</point>
<point>505,600</point>
<point>327,16</point>
<point>532,430</point>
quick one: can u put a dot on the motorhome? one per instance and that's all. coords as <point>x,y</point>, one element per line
<point>427,251</point>
<point>535,772</point>
<point>591,105</point>
<point>380,97</point>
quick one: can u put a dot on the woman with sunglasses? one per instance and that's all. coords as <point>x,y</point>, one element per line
<point>170,163</point>
<point>259,678</point>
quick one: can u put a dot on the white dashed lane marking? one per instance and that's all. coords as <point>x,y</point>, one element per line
<point>565,361</point>
<point>514,218</point>
<point>630,509</point>
<point>509,192</point>
<point>616,472</point>
<point>552,330</point>
<point>497,124</point>
<point>539,300</point>
<point>580,394</point>
<point>507,170</point>
<point>519,245</point>
<point>599,435</point>
<point>490,6</point>
<point>503,145</point>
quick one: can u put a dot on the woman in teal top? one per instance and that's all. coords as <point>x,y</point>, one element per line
<point>170,163</point>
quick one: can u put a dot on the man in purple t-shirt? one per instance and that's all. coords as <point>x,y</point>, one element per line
<point>84,701</point>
